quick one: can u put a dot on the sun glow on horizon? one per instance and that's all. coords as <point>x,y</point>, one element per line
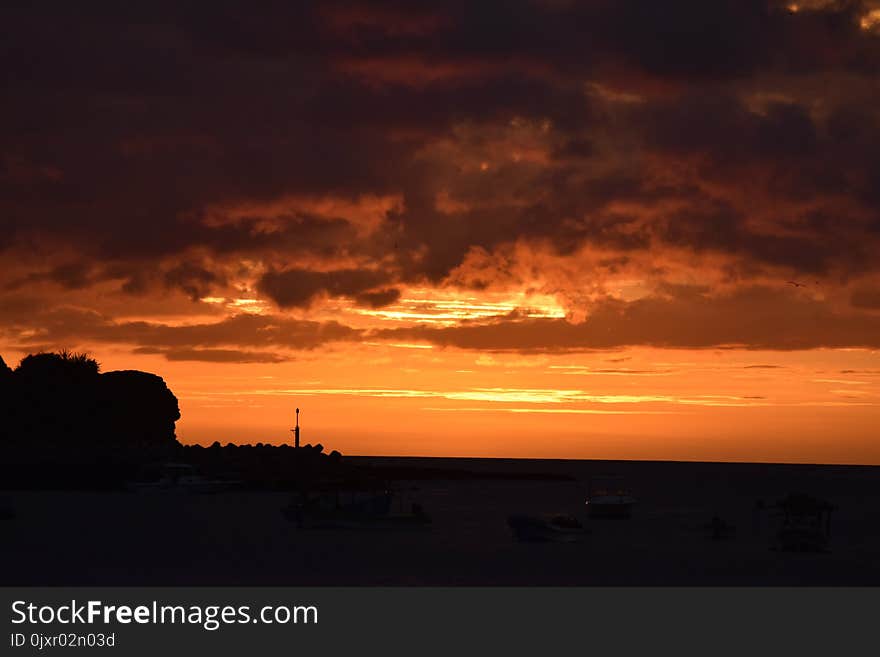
<point>448,308</point>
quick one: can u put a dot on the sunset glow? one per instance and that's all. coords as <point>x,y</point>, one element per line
<point>572,238</point>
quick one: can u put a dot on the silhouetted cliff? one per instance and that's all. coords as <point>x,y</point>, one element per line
<point>136,409</point>
<point>61,402</point>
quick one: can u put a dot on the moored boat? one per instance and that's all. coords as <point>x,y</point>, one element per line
<point>609,497</point>
<point>354,509</point>
<point>557,528</point>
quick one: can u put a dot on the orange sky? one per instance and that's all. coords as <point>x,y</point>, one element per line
<point>537,229</point>
<point>653,405</point>
<point>416,398</point>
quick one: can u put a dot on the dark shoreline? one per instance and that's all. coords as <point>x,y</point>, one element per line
<point>427,468</point>
<point>511,460</point>
<point>241,537</point>
<point>269,467</point>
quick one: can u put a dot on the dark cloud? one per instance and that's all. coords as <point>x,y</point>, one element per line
<point>378,299</point>
<point>64,326</point>
<point>197,281</point>
<point>299,287</point>
<point>717,226</point>
<point>72,276</point>
<point>214,355</point>
<point>153,146</point>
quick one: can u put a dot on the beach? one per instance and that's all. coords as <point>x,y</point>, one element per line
<point>241,537</point>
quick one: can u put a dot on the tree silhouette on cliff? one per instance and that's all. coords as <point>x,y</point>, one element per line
<point>63,401</point>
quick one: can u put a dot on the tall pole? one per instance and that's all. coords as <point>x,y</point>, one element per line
<point>296,431</point>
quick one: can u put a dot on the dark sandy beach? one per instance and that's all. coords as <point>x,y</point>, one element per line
<point>242,538</point>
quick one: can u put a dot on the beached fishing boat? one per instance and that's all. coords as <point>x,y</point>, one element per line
<point>534,529</point>
<point>354,509</point>
<point>181,477</point>
<point>609,497</point>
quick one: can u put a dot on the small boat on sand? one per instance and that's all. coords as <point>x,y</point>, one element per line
<point>181,477</point>
<point>365,510</point>
<point>609,497</point>
<point>536,529</point>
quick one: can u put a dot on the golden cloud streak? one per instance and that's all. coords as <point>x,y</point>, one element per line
<point>517,395</point>
<point>422,306</point>
<point>554,411</point>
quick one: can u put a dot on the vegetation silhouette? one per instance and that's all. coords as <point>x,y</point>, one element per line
<point>63,402</point>
<point>65,424</point>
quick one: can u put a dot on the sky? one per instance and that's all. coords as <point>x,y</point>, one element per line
<point>530,228</point>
